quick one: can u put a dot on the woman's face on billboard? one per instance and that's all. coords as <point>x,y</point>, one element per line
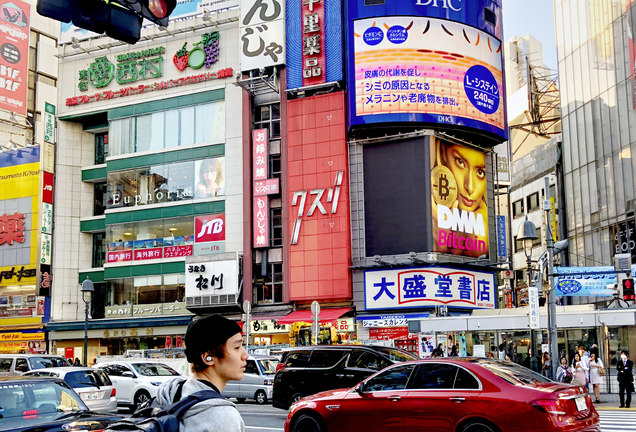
<point>469,168</point>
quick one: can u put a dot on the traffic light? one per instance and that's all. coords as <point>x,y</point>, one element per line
<point>628,289</point>
<point>119,19</point>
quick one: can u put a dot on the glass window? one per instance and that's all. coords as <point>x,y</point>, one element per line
<point>143,133</point>
<point>326,358</point>
<point>367,360</point>
<point>101,148</point>
<point>268,366</point>
<point>271,290</point>
<point>393,379</point>
<point>99,196</point>
<point>55,398</point>
<point>465,380</point>
<point>517,208</point>
<point>180,181</point>
<point>21,365</point>
<point>210,181</point>
<point>186,117</point>
<point>154,369</point>
<point>87,378</point>
<point>172,129</point>
<point>533,201</point>
<point>514,374</point>
<point>435,376</point>
<point>122,188</point>
<point>99,250</point>
<point>251,367</point>
<point>268,117</point>
<point>5,364</point>
<point>297,358</point>
<point>276,219</point>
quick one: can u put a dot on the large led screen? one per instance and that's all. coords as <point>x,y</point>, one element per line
<point>431,70</point>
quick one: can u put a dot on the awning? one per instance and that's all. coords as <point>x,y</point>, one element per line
<point>305,315</point>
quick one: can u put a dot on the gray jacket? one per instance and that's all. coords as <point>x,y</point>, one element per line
<point>212,415</point>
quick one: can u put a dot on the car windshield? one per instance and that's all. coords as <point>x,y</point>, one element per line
<point>154,369</point>
<point>31,402</point>
<point>268,366</point>
<point>514,374</point>
<point>87,378</point>
<point>47,362</point>
<point>397,356</point>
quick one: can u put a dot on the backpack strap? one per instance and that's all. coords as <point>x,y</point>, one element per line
<point>177,395</point>
<point>179,408</point>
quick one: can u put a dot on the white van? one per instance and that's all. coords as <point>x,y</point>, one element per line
<point>17,364</point>
<point>258,382</point>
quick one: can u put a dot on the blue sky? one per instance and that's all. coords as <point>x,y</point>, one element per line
<point>535,17</point>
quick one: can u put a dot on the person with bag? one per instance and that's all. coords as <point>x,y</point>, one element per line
<point>564,373</point>
<point>214,349</point>
<point>579,371</point>
<point>597,371</point>
<point>625,379</point>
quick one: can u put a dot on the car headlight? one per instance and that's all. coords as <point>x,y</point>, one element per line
<point>269,382</point>
<point>155,383</point>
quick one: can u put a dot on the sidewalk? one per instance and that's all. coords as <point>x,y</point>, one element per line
<point>610,402</point>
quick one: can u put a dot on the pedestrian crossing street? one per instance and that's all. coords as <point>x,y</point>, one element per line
<point>615,421</point>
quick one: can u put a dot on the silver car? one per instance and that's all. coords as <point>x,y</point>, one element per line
<point>92,385</point>
<point>258,381</point>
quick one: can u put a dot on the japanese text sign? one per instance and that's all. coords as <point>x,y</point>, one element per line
<point>261,221</point>
<point>14,56</point>
<point>267,187</point>
<point>11,228</point>
<point>434,70</point>
<point>430,286</point>
<point>211,278</point>
<point>209,228</point>
<point>259,151</point>
<point>262,33</point>
<point>47,218</point>
<point>47,187</point>
<point>49,123</point>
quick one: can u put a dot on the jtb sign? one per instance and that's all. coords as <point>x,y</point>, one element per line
<point>428,287</point>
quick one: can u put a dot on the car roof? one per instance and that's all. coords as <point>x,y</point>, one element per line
<point>65,369</point>
<point>31,355</point>
<point>261,357</point>
<point>130,361</point>
<point>20,378</point>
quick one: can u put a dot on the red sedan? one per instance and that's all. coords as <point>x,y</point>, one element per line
<point>451,394</point>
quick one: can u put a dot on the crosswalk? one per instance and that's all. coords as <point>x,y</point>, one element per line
<point>618,421</point>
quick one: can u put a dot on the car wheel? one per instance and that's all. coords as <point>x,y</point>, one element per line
<point>260,397</point>
<point>307,423</point>
<point>478,426</point>
<point>240,400</point>
<point>295,398</point>
<point>141,397</point>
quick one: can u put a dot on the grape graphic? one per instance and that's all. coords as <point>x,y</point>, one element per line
<point>211,48</point>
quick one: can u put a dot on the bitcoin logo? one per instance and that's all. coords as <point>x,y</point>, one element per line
<point>444,186</point>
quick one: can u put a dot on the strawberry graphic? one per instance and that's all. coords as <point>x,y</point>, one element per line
<point>180,59</point>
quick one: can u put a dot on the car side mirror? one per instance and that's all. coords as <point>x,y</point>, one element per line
<point>360,388</point>
<point>128,374</point>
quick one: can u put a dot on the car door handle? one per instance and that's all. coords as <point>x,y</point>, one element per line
<point>458,399</point>
<point>394,398</point>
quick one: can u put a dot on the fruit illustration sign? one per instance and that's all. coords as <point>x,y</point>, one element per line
<point>430,70</point>
<point>14,55</point>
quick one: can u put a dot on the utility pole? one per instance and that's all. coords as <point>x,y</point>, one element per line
<point>552,318</point>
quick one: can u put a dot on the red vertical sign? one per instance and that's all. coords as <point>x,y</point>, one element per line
<point>261,221</point>
<point>313,25</point>
<point>259,151</point>
<point>14,55</point>
<point>47,187</point>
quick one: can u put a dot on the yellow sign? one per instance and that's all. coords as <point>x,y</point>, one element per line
<point>17,275</point>
<point>19,336</point>
<point>553,221</point>
<point>10,347</point>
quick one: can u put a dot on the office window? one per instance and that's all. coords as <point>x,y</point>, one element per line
<point>268,117</point>
<point>271,289</point>
<point>517,208</point>
<point>533,201</point>
<point>99,250</point>
<point>276,218</point>
<point>101,148</point>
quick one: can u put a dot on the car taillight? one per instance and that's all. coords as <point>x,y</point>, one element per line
<point>113,392</point>
<point>280,366</point>
<point>549,406</point>
<point>29,414</point>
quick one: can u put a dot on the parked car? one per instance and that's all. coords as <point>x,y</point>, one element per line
<point>307,370</point>
<point>92,385</point>
<point>30,403</point>
<point>258,381</point>
<point>136,381</point>
<point>17,364</point>
<point>449,394</point>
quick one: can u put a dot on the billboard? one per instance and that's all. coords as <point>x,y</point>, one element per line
<point>428,286</point>
<point>318,199</point>
<point>261,34</point>
<point>587,281</point>
<point>459,206</point>
<point>434,62</point>
<point>314,42</point>
<point>14,55</point>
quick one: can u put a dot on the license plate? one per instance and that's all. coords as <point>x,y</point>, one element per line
<point>91,396</point>
<point>581,405</point>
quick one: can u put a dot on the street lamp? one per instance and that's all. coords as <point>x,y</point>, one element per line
<point>528,234</point>
<point>87,295</point>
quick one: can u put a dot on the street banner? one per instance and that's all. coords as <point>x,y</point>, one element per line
<point>14,55</point>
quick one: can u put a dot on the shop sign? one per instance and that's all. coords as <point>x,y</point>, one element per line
<point>388,321</point>
<point>11,228</point>
<point>261,221</point>
<point>345,325</point>
<point>259,154</point>
<point>177,251</point>
<point>268,327</point>
<point>210,228</point>
<point>14,56</point>
<point>119,256</point>
<point>46,246</point>
<point>300,198</point>
<point>48,157</point>
<point>209,248</point>
<point>19,312</point>
<point>205,53</point>
<point>49,123</point>
<point>589,282</point>
<point>148,331</point>
<point>147,254</point>
<point>17,275</point>
<point>533,302</point>
<point>21,336</point>
<point>11,347</point>
<point>47,218</point>
<point>429,286</point>
<point>131,67</point>
<point>267,187</point>
<point>212,278</point>
<point>262,33</point>
<point>47,187</point>
<point>502,250</point>
<point>146,88</point>
<point>388,333</point>
<point>261,188</point>
<point>313,23</point>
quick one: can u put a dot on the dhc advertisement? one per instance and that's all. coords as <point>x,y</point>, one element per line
<point>430,61</point>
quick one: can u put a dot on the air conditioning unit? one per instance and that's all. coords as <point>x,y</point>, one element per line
<point>211,300</point>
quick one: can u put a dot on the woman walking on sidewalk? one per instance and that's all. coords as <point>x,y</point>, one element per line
<point>597,371</point>
<point>579,370</point>
<point>625,379</point>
